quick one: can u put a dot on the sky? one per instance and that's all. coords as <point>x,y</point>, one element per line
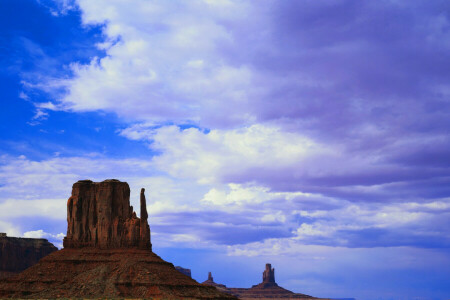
<point>312,135</point>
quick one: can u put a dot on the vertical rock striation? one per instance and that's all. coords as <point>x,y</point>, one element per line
<point>99,215</point>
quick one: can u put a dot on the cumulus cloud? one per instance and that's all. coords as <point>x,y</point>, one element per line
<point>17,208</point>
<point>9,228</point>
<point>163,58</point>
<point>23,178</point>
<point>289,161</point>
<point>234,63</point>
<point>311,97</point>
<point>224,155</point>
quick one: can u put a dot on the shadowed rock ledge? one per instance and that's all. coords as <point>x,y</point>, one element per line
<point>17,254</point>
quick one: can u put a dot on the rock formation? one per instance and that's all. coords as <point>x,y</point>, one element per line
<point>107,254</point>
<point>17,254</point>
<point>220,287</point>
<point>268,277</point>
<point>184,271</point>
<point>99,215</point>
<point>267,289</point>
<point>144,235</point>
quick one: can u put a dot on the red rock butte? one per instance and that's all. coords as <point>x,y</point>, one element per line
<point>99,215</point>
<point>107,254</point>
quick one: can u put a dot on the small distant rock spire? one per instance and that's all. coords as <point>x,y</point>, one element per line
<point>219,286</point>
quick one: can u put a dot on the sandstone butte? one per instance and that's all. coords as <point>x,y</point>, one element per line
<point>107,254</point>
<point>17,254</point>
<point>267,289</point>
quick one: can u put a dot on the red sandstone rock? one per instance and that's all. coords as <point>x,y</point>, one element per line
<point>99,215</point>
<point>17,254</point>
<point>107,254</point>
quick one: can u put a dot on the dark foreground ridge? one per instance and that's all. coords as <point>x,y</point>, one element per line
<point>107,254</point>
<point>17,254</point>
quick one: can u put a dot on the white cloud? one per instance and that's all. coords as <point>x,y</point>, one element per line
<point>50,208</point>
<point>274,217</point>
<point>10,229</point>
<point>39,234</point>
<point>219,155</point>
<point>163,62</point>
<point>168,195</point>
<point>23,178</point>
<point>138,132</point>
<point>237,195</point>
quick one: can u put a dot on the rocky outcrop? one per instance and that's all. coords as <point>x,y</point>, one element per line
<point>268,277</point>
<point>17,254</point>
<point>107,254</point>
<point>184,271</point>
<point>267,289</point>
<point>99,215</point>
<point>220,287</point>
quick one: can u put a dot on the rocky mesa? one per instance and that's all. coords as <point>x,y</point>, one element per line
<point>17,254</point>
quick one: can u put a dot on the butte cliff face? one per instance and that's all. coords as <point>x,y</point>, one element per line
<point>17,254</point>
<point>99,215</point>
<point>107,254</point>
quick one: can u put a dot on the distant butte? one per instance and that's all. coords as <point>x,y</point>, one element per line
<point>220,287</point>
<point>18,254</point>
<point>267,289</point>
<point>107,254</point>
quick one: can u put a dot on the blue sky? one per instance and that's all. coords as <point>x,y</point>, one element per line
<point>313,135</point>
